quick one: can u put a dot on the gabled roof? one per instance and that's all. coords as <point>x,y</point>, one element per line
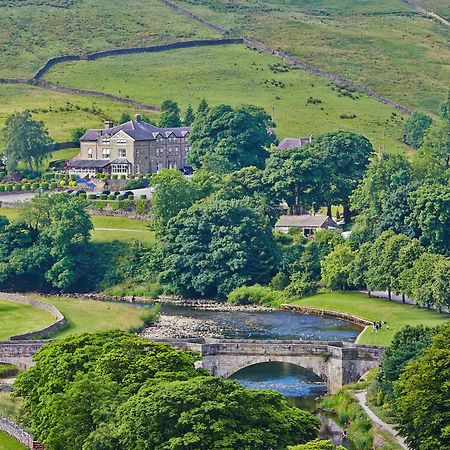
<point>139,131</point>
<point>305,221</point>
<point>293,142</point>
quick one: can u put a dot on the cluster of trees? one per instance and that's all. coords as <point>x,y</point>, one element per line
<point>113,390</point>
<point>413,385</point>
<point>171,114</point>
<point>393,263</point>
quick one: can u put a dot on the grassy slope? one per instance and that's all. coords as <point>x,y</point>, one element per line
<point>236,75</point>
<point>441,7</point>
<point>31,32</point>
<point>383,44</point>
<point>16,318</point>
<point>89,316</point>
<point>130,229</point>
<point>395,314</point>
<point>51,108</point>
<point>8,443</point>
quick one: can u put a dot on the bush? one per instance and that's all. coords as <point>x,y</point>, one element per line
<point>120,197</point>
<point>103,196</point>
<point>9,187</point>
<point>48,176</point>
<point>26,186</point>
<point>72,183</point>
<point>123,177</point>
<point>8,370</point>
<point>44,186</point>
<point>114,177</point>
<point>143,197</point>
<point>111,197</point>
<point>256,294</point>
<point>62,183</point>
<point>53,185</point>
<point>130,197</point>
<point>35,186</point>
<point>18,187</point>
<point>2,188</point>
<point>136,184</point>
<point>300,288</point>
<point>91,196</point>
<point>279,282</point>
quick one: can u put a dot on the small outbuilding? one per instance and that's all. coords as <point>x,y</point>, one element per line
<point>305,222</point>
<point>290,143</point>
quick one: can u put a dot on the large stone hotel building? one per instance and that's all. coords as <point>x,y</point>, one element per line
<point>132,148</point>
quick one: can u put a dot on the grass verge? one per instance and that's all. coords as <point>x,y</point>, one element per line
<point>8,443</point>
<point>397,315</point>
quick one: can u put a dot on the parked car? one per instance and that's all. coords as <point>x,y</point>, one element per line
<point>70,191</point>
<point>116,193</point>
<point>80,192</point>
<point>127,194</point>
<point>104,192</point>
<point>187,170</point>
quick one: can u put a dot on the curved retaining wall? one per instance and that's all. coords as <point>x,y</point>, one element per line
<point>328,313</point>
<point>16,432</point>
<point>59,317</point>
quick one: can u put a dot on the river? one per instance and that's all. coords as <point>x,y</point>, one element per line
<point>301,387</point>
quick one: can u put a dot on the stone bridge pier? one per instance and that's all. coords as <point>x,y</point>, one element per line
<point>336,363</point>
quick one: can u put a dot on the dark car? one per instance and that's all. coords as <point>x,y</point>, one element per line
<point>116,193</point>
<point>80,192</point>
<point>127,194</point>
<point>104,192</point>
<point>70,191</point>
<point>187,170</point>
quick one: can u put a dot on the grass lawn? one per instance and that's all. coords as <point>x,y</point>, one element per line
<point>88,316</point>
<point>236,75</point>
<point>397,315</point>
<point>385,44</point>
<point>61,113</point>
<point>107,228</point>
<point>8,443</point>
<point>31,32</point>
<point>16,318</point>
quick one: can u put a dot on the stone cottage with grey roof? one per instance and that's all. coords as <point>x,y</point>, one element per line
<point>132,148</point>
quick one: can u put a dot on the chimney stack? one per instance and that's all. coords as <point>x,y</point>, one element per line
<point>138,118</point>
<point>108,124</point>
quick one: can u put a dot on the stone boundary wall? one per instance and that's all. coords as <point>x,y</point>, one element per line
<point>285,57</point>
<point>327,313</point>
<point>15,431</point>
<point>60,319</point>
<point>63,145</point>
<point>132,50</point>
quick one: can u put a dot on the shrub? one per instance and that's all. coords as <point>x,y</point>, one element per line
<point>111,197</point>
<point>18,187</point>
<point>136,184</point>
<point>49,176</point>
<point>114,205</point>
<point>9,187</point>
<point>2,187</point>
<point>53,185</point>
<point>114,177</point>
<point>26,186</point>
<point>130,197</point>
<point>35,186</point>
<point>91,196</point>
<point>8,370</point>
<point>103,196</point>
<point>62,183</point>
<point>300,288</point>
<point>123,177</point>
<point>256,294</point>
<point>44,186</point>
<point>120,197</point>
<point>72,183</point>
<point>279,282</point>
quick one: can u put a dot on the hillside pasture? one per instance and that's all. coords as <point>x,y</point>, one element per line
<point>301,103</point>
<point>386,45</point>
<point>32,32</point>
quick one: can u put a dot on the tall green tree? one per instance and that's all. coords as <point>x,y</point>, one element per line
<point>125,117</point>
<point>170,115</point>
<point>189,117</point>
<point>224,139</point>
<point>415,128</point>
<point>26,141</point>
<point>336,267</point>
<point>216,246</point>
<point>171,194</point>
<point>344,156</point>
<point>436,142</point>
<point>422,393</point>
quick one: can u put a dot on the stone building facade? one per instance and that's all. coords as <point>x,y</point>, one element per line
<point>132,148</point>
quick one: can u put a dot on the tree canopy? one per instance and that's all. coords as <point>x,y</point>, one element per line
<point>415,128</point>
<point>170,115</point>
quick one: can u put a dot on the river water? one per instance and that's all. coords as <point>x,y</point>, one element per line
<point>301,387</point>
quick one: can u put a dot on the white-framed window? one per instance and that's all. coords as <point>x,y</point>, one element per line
<point>159,166</point>
<point>137,153</point>
<point>119,168</point>
<point>159,151</point>
<point>106,153</point>
<point>177,150</point>
<point>169,151</point>
<point>121,141</point>
<point>90,153</point>
<point>138,169</point>
<point>122,152</point>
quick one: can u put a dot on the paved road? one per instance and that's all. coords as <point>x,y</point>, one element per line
<point>361,397</point>
<point>17,198</point>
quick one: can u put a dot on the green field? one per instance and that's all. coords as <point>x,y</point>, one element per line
<point>236,75</point>
<point>107,229</point>
<point>386,44</point>
<point>441,7</point>
<point>397,315</point>
<point>61,113</point>
<point>31,31</point>
<point>85,316</point>
<point>8,443</point>
<point>16,318</point>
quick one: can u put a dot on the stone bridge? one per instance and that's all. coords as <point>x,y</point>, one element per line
<point>336,363</point>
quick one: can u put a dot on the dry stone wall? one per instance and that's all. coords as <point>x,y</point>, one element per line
<point>17,432</point>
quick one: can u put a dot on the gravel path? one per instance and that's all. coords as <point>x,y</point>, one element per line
<point>361,397</point>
